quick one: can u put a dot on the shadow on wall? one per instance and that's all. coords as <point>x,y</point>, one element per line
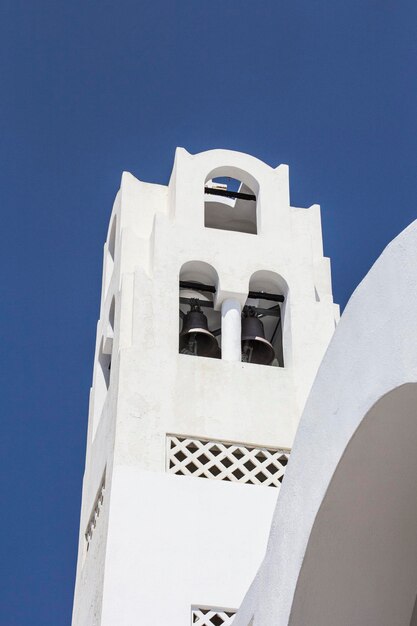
<point>344,537</point>
<point>361,563</point>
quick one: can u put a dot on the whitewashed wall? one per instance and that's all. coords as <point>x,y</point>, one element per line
<point>163,543</point>
<point>343,543</point>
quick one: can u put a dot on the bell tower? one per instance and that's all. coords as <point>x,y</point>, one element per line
<point>216,311</point>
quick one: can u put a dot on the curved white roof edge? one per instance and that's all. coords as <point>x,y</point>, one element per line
<point>318,547</point>
<point>217,154</point>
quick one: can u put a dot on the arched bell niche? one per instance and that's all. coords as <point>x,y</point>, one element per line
<point>199,323</point>
<point>230,200</point>
<point>262,339</point>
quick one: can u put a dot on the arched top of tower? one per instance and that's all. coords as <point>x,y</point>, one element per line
<point>246,162</point>
<point>262,194</point>
<point>219,162</point>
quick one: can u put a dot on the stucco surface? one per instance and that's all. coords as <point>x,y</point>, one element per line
<point>157,235</point>
<point>343,546</point>
<point>162,556</point>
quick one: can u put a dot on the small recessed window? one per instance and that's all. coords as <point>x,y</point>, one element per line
<point>111,316</point>
<point>105,366</point>
<point>110,254</point>
<point>112,239</point>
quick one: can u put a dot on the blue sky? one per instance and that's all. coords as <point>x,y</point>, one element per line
<point>91,88</point>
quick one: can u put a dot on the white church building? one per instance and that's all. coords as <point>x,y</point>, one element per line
<point>216,311</point>
<point>248,462</point>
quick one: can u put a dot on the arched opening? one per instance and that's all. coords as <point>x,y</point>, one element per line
<point>200,324</point>
<point>112,239</point>
<point>263,320</point>
<point>110,252</point>
<point>104,361</point>
<point>360,565</point>
<point>105,365</point>
<point>101,382</point>
<point>230,201</point>
<point>111,316</point>
<point>108,334</point>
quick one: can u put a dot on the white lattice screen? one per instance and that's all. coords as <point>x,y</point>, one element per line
<point>226,461</point>
<point>98,503</point>
<point>211,617</point>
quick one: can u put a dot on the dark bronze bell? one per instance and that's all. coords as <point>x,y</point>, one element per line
<point>195,337</point>
<point>255,348</point>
